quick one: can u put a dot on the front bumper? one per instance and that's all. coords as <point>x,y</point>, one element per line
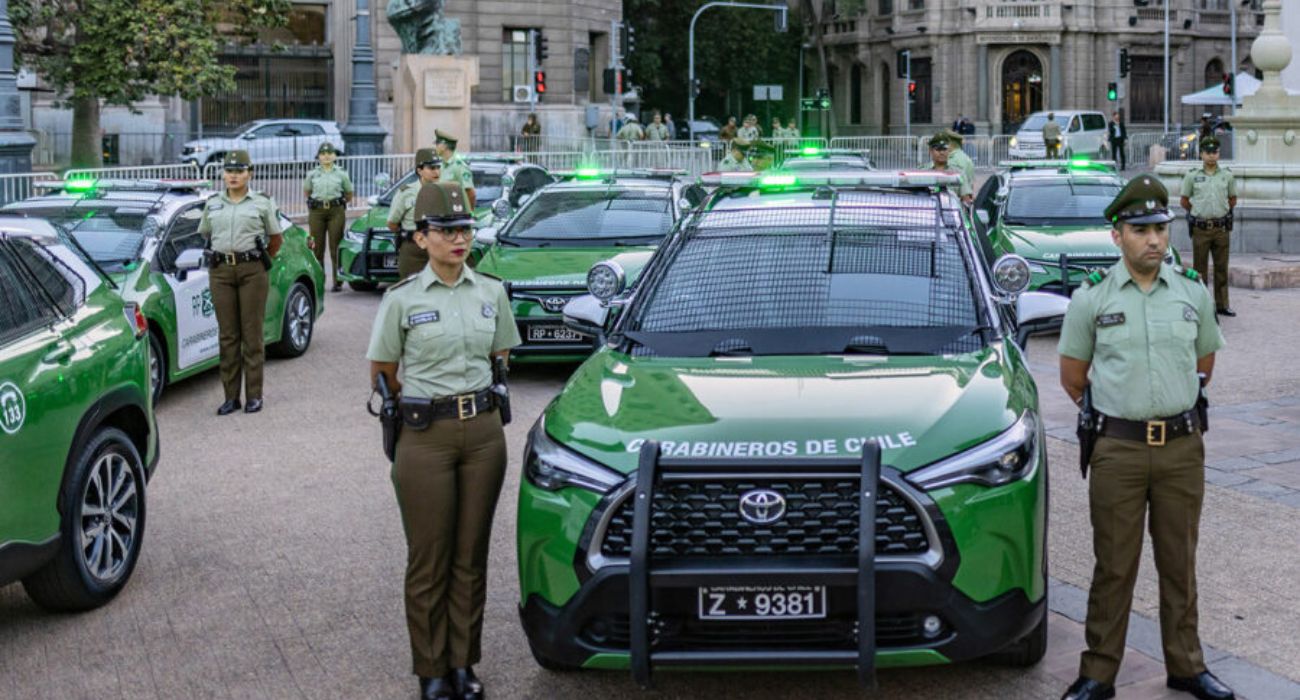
<point>373,260</point>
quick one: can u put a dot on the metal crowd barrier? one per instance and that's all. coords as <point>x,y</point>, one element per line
<point>18,186</point>
<point>887,152</point>
<point>282,180</point>
<point>177,171</point>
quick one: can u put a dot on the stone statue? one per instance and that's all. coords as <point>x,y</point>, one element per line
<point>422,28</point>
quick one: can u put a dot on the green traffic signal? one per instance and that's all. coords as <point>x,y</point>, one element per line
<point>1112,92</point>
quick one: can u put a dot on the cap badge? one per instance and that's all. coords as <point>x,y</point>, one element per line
<point>1151,204</point>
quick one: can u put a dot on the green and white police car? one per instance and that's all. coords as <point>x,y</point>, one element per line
<point>801,357</point>
<point>78,440</point>
<point>141,234</point>
<point>367,256</point>
<point>544,251</point>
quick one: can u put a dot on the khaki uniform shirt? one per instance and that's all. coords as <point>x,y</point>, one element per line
<point>457,170</point>
<point>730,164</point>
<point>966,187</point>
<point>748,133</point>
<point>326,185</point>
<point>1209,193</point>
<point>443,336</point>
<point>1143,346</point>
<point>1051,131</point>
<point>958,160</point>
<point>235,227</point>
<point>631,131</point>
<point>403,210</point>
<point>656,132</point>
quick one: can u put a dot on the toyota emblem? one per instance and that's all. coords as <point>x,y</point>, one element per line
<point>762,506</point>
<point>554,304</point>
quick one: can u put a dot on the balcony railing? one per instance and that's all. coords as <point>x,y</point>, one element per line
<point>1045,14</point>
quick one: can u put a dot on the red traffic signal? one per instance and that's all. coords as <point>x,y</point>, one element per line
<point>1227,83</point>
<point>911,90</point>
<point>539,82</point>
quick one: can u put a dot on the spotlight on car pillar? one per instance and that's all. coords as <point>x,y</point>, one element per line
<point>501,209</point>
<point>1011,274</point>
<point>606,280</point>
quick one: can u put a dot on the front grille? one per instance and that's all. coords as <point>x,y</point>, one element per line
<point>688,633</point>
<point>702,519</point>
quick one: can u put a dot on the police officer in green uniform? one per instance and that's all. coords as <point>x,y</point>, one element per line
<point>958,159</point>
<point>411,258</point>
<point>243,236</point>
<point>1141,338</point>
<point>631,130</point>
<point>749,131</point>
<point>454,167</point>
<point>939,151</point>
<point>735,160</point>
<point>656,130</point>
<point>329,191</point>
<point>1209,195</point>
<point>434,339</point>
<point>1052,137</point>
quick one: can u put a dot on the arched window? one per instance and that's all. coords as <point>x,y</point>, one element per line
<point>855,94</point>
<point>1214,72</point>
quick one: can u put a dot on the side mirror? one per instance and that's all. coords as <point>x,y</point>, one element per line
<point>188,260</point>
<point>1011,275</point>
<point>486,235</point>
<point>250,137</point>
<point>382,181</point>
<point>523,199</point>
<point>501,209</point>
<point>983,216</point>
<point>373,200</point>
<point>1037,312</point>
<point>587,315</point>
<point>684,204</point>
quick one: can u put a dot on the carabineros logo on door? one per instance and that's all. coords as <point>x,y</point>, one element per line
<point>202,304</point>
<point>13,408</point>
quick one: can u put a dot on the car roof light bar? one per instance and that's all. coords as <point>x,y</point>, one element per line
<point>910,179</point>
<point>1047,164</point>
<point>82,185</point>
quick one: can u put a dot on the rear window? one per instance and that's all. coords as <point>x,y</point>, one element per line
<point>1094,122</point>
<point>112,235</point>
<point>584,216</point>
<point>889,272</point>
<point>1059,204</point>
<point>487,185</point>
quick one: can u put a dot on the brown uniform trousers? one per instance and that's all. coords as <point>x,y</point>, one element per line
<point>411,258</point>
<point>327,220</point>
<point>239,296</point>
<point>1207,242</point>
<point>447,478</point>
<point>1130,479</point>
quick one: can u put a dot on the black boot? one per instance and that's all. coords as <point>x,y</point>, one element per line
<point>254,405</point>
<point>468,686</point>
<point>1088,689</point>
<point>1225,311</point>
<point>437,688</point>
<point>229,407</point>
<point>1204,686</point>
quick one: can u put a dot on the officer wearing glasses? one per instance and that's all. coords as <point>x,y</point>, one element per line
<point>411,258</point>
<point>434,340</point>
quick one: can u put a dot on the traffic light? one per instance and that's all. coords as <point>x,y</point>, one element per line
<point>1125,63</point>
<point>627,39</point>
<point>540,48</point>
<point>613,81</point>
<point>904,61</point>
<point>1227,83</point>
<point>911,91</point>
<point>539,83</point>
<point>1112,92</point>
<point>695,87</point>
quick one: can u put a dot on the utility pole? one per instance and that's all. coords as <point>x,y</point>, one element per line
<point>616,63</point>
<point>1166,100</point>
<point>15,143</point>
<point>690,78</point>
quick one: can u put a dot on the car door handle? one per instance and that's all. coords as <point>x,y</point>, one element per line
<point>59,353</point>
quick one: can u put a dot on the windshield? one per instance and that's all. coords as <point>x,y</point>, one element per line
<point>1036,122</point>
<point>806,164</point>
<point>487,185</point>
<point>386,199</point>
<point>888,276</point>
<point>583,216</point>
<point>1060,204</point>
<point>111,235</point>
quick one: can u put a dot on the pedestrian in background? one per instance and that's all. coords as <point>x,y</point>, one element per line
<point>940,144</point>
<point>778,131</point>
<point>530,136</point>
<point>243,237</point>
<point>454,167</point>
<point>749,131</point>
<point>958,159</point>
<point>411,258</point>
<point>958,123</point>
<point>791,130</point>
<point>1052,137</point>
<point>329,191</point>
<point>631,131</point>
<point>735,160</point>
<point>1141,338</point>
<point>434,340</point>
<point>728,130</point>
<point>672,127</point>
<point>1209,196</point>
<point>657,130</point>
<point>1117,135</point>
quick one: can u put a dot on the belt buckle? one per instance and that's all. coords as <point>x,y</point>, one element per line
<point>229,258</point>
<point>1152,440</point>
<point>462,412</point>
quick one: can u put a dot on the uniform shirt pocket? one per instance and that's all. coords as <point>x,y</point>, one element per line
<point>428,341</point>
<point>482,332</point>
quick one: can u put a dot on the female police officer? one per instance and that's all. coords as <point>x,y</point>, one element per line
<point>328,189</point>
<point>442,327</point>
<point>411,258</point>
<point>243,235</point>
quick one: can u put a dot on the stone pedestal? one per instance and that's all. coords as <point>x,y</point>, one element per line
<point>432,92</point>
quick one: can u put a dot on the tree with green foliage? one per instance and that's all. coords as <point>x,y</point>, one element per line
<point>119,52</point>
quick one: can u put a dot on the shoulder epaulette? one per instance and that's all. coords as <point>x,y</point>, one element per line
<point>1187,272</point>
<point>1096,276</point>
<point>489,276</point>
<point>398,285</point>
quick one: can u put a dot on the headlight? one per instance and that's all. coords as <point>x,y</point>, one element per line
<point>550,466</point>
<point>355,236</point>
<point>198,149</point>
<point>1010,456</point>
<point>1014,142</point>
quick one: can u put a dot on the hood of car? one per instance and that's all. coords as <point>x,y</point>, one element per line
<point>918,409</point>
<point>1051,242</point>
<point>557,267</point>
<point>374,217</point>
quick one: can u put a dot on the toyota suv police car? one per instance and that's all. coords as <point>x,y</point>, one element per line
<point>797,360</point>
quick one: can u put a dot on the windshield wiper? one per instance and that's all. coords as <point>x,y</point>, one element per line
<point>733,351</point>
<point>85,255</point>
<point>867,348</point>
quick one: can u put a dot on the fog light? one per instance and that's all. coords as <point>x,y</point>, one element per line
<point>932,626</point>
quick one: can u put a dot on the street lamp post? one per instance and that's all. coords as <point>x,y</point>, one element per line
<point>1166,100</point>
<point>690,79</point>
<point>363,135</point>
<point>15,143</point>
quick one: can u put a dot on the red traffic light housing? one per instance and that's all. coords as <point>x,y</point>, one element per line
<point>1227,83</point>
<point>539,82</point>
<point>911,89</point>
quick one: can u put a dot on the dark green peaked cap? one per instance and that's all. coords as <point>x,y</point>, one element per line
<point>237,160</point>
<point>1144,200</point>
<point>442,205</point>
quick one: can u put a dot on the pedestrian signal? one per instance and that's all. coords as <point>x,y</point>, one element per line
<point>1112,91</point>
<point>911,90</point>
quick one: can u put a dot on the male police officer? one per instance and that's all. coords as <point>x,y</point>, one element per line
<point>1209,194</point>
<point>243,235</point>
<point>454,167</point>
<point>657,130</point>
<point>411,258</point>
<point>736,159</point>
<point>1052,137</point>
<point>749,131</point>
<point>328,189</point>
<point>958,159</point>
<point>1137,336</point>
<point>630,131</point>
<point>939,150</point>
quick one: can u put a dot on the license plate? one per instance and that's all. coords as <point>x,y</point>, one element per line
<point>554,334</point>
<point>390,261</point>
<point>762,602</point>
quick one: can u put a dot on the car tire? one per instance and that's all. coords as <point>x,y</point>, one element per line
<point>551,664</point>
<point>362,286</point>
<point>157,367</point>
<point>87,574</point>
<point>299,322</point>
<point>1028,650</point>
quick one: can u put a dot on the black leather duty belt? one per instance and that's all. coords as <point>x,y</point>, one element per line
<point>1154,433</point>
<point>1211,224</point>
<point>313,203</point>
<point>462,406</point>
<point>219,259</point>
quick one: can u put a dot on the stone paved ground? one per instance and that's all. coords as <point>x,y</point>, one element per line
<point>273,562</point>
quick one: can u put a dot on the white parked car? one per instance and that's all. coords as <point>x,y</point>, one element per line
<point>267,140</point>
<point>1083,133</point>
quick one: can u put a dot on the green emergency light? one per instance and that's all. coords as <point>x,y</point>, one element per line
<point>777,180</point>
<point>81,185</point>
<point>588,173</point>
<point>811,151</point>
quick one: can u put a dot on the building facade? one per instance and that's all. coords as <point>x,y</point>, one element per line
<point>997,61</point>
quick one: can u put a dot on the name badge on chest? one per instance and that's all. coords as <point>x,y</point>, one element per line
<point>1108,320</point>
<point>423,318</point>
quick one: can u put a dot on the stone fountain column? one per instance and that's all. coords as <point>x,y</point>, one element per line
<point>1267,157</point>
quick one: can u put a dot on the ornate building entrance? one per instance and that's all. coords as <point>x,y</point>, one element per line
<point>1022,89</point>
